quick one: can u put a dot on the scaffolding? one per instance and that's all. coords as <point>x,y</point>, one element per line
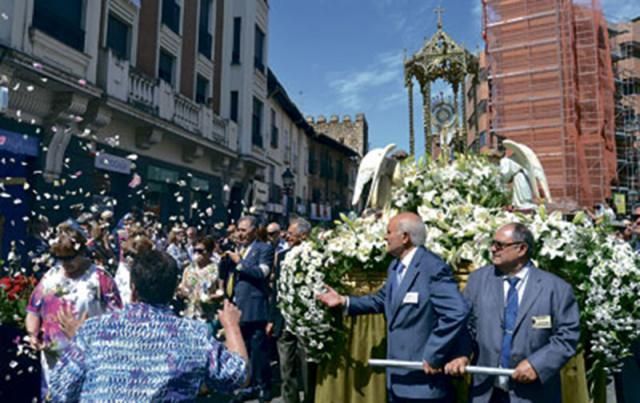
<point>627,112</point>
<point>546,91</point>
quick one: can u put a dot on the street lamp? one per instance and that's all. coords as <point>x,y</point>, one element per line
<point>287,183</point>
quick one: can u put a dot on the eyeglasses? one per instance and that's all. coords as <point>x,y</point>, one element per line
<point>497,245</point>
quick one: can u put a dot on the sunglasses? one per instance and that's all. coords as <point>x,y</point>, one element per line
<point>199,250</point>
<point>273,233</point>
<point>497,245</point>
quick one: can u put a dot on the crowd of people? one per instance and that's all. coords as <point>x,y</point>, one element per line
<point>124,311</point>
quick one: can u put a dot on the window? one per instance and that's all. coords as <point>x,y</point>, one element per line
<point>60,19</point>
<point>237,26</point>
<point>630,49</point>
<point>118,37</point>
<point>274,130</point>
<point>171,15</point>
<point>259,50</point>
<point>256,123</point>
<point>312,161</point>
<point>166,65</point>
<point>233,114</point>
<point>202,89</point>
<point>205,40</point>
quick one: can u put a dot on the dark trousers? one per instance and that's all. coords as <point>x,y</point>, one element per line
<point>255,338</point>
<point>499,396</point>
<point>293,361</point>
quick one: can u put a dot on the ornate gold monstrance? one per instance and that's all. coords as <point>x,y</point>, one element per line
<point>440,58</point>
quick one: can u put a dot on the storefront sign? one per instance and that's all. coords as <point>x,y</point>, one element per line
<point>158,174</point>
<point>113,163</point>
<point>21,144</point>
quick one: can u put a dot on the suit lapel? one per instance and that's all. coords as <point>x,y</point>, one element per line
<point>496,289</point>
<point>531,291</point>
<point>407,281</point>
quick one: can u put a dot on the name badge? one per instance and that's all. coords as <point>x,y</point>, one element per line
<point>542,322</point>
<point>410,298</point>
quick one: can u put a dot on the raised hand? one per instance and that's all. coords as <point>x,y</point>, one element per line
<point>229,315</point>
<point>68,322</point>
<point>331,298</point>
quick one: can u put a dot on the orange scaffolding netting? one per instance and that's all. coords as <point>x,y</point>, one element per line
<point>551,87</point>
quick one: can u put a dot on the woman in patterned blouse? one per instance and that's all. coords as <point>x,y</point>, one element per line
<point>200,285</point>
<point>147,353</point>
<point>74,287</point>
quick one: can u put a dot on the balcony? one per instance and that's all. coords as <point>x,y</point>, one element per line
<point>158,98</point>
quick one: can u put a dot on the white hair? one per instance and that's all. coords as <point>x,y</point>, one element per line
<point>413,226</point>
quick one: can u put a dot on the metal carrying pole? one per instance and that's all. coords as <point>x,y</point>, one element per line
<point>470,369</point>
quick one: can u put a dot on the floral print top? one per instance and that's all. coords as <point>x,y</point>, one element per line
<point>199,284</point>
<point>94,292</point>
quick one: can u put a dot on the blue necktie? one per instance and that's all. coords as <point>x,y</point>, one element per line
<point>510,315</point>
<point>396,278</point>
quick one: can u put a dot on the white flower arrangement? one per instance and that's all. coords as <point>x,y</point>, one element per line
<point>462,205</point>
<point>301,278</point>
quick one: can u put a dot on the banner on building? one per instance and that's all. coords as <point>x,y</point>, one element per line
<point>113,163</point>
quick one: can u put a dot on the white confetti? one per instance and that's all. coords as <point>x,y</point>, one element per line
<point>30,88</point>
<point>132,157</point>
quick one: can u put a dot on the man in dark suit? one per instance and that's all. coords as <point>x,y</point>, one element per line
<point>425,313</point>
<point>248,286</point>
<point>290,350</point>
<point>521,317</point>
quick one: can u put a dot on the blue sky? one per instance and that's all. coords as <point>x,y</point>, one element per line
<point>345,56</point>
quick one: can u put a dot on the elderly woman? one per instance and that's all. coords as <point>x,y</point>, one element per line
<point>74,288</point>
<point>200,285</point>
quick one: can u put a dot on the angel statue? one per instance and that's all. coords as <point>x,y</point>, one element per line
<point>524,171</point>
<point>379,171</point>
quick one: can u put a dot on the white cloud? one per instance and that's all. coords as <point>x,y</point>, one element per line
<point>353,88</point>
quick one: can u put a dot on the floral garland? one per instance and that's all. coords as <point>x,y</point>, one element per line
<point>301,278</point>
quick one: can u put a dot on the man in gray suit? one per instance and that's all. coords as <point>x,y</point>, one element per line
<point>424,310</point>
<point>521,317</point>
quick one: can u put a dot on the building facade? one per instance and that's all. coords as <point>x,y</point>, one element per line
<point>166,105</point>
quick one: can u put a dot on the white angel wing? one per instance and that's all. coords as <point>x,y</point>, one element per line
<point>380,191</point>
<point>525,156</point>
<point>366,170</point>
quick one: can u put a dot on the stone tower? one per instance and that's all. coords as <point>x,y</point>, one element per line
<point>352,133</point>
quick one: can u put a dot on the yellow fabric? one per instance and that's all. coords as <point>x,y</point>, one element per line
<point>574,381</point>
<point>348,378</point>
